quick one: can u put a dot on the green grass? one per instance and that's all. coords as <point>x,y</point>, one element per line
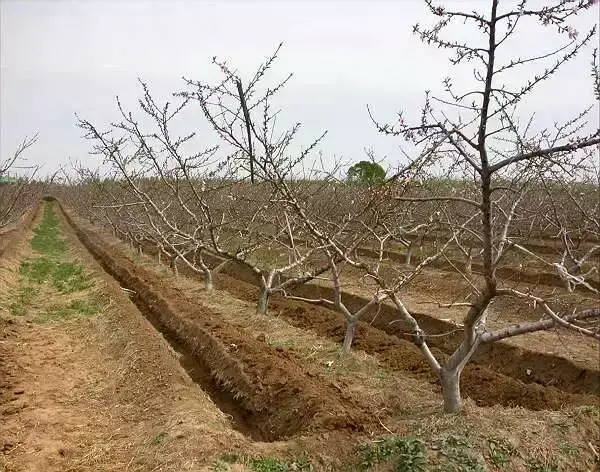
<point>46,239</point>
<point>54,268</point>
<point>65,277</point>
<point>455,456</point>
<point>75,309</point>
<point>23,300</point>
<point>261,464</point>
<point>405,454</point>
<point>450,454</point>
<point>158,439</point>
<point>539,465</point>
<point>219,466</point>
<point>501,452</point>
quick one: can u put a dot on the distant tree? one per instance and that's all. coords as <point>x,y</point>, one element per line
<point>366,173</point>
<point>15,195</point>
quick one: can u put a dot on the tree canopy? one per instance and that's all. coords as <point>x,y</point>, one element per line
<point>366,173</point>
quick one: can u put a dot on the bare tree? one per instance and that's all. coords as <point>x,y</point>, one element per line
<point>190,204</point>
<point>13,194</point>
<point>484,142</point>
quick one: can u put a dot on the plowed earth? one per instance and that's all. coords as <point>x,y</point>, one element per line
<point>499,373</point>
<point>278,398</point>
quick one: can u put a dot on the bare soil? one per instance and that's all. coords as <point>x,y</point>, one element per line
<point>103,392</point>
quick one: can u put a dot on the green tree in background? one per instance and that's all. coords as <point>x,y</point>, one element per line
<point>366,173</point>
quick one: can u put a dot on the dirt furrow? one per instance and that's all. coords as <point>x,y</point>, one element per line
<point>276,396</point>
<point>499,373</point>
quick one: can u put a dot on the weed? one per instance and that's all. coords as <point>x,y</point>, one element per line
<point>537,465</point>
<point>455,456</point>
<point>230,458</point>
<point>219,466</point>
<point>500,451</point>
<point>37,270</point>
<point>302,465</point>
<point>46,239</point>
<point>23,300</point>
<point>75,309</point>
<point>282,343</point>
<point>405,454</point>
<point>156,440</point>
<point>69,278</point>
<point>268,464</point>
<point>568,450</point>
<point>64,276</point>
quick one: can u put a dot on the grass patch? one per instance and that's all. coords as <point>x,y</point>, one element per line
<point>158,439</point>
<point>455,456</point>
<point>219,466</point>
<point>282,343</point>
<point>261,464</point>
<point>398,454</point>
<point>46,239</point>
<point>65,277</point>
<point>75,309</point>
<point>55,269</point>
<point>501,452</point>
<point>23,300</point>
<point>404,454</point>
<point>539,465</point>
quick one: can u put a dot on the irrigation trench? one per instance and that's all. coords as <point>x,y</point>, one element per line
<point>383,336</point>
<point>267,392</point>
<point>271,394</point>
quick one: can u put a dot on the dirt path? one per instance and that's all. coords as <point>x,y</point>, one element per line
<point>85,382</point>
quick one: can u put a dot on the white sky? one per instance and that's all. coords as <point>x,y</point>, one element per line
<point>59,58</point>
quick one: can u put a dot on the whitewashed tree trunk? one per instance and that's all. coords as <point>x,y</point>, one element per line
<point>262,306</point>
<point>349,336</point>
<point>208,279</point>
<point>450,380</point>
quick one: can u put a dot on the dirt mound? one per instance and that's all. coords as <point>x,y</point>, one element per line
<point>486,386</point>
<point>480,381</point>
<point>10,236</point>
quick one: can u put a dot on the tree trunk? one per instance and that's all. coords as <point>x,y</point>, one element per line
<point>469,266</point>
<point>265,290</point>
<point>349,337</point>
<point>451,390</point>
<point>208,281</point>
<point>263,300</point>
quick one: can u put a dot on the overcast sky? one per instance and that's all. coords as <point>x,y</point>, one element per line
<point>59,58</point>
